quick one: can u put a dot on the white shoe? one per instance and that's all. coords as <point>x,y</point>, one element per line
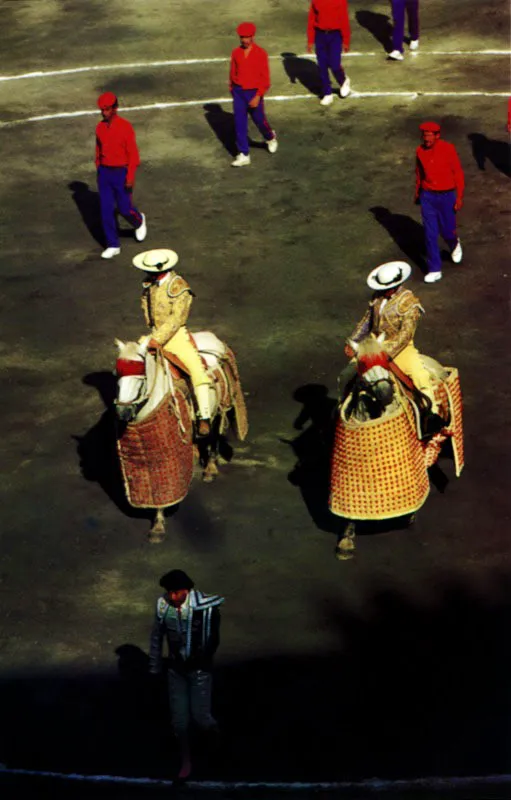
<point>110,252</point>
<point>241,160</point>
<point>345,88</point>
<point>414,44</point>
<point>327,100</point>
<point>396,55</point>
<point>432,277</point>
<point>141,231</point>
<point>272,145</point>
<point>457,254</point>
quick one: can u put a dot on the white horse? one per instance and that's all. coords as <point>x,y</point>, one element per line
<point>156,441</point>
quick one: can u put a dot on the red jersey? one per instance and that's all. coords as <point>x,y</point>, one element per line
<point>116,146</point>
<point>438,169</point>
<point>329,15</point>
<point>250,69</point>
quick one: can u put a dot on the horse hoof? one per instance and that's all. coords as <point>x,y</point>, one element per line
<point>155,537</point>
<point>345,550</point>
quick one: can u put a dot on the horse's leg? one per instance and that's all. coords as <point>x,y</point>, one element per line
<point>211,462</point>
<point>346,545</point>
<point>157,532</point>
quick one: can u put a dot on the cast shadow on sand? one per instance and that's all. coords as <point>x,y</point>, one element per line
<point>406,233</point>
<point>87,203</point>
<point>97,448</point>
<point>378,25</point>
<point>496,152</point>
<point>437,655</point>
<point>302,70</point>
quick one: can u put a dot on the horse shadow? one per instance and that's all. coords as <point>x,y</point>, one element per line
<point>405,231</point>
<point>97,449</point>
<point>496,152</point>
<point>302,70</point>
<point>87,203</point>
<point>312,448</point>
<point>379,25</point>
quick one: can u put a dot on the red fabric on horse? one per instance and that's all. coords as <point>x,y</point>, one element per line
<point>157,457</point>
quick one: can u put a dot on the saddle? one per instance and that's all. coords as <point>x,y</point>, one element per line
<point>429,423</point>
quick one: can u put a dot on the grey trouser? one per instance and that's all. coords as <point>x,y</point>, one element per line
<point>190,698</point>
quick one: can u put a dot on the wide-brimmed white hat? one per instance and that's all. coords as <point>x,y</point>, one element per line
<point>389,275</point>
<point>156,260</point>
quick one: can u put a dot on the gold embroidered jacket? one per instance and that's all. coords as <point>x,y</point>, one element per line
<point>396,316</point>
<point>166,307</point>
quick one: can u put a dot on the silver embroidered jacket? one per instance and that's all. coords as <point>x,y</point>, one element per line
<point>192,632</point>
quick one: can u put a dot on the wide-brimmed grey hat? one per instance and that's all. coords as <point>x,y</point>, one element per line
<point>156,260</point>
<point>389,275</point>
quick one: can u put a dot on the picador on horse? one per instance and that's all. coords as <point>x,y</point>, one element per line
<point>394,415</point>
<point>166,303</point>
<point>393,316</point>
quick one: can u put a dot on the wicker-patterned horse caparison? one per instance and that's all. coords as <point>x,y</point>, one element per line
<point>379,467</point>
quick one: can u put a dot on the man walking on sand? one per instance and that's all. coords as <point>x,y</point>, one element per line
<point>328,30</point>
<point>439,187</point>
<point>117,160</point>
<point>249,80</point>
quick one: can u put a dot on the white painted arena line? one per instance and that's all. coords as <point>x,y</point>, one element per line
<point>371,785</point>
<point>275,98</point>
<point>55,73</point>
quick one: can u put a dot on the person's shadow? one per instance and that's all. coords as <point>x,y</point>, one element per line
<point>313,448</point>
<point>379,25</point>
<point>87,203</point>
<point>302,70</point>
<point>405,231</point>
<point>496,152</point>
<point>222,124</point>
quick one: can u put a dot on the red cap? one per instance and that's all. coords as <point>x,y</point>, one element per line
<point>433,127</point>
<point>106,100</point>
<point>246,29</point>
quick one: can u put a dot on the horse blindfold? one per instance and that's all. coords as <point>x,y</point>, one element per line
<point>126,368</point>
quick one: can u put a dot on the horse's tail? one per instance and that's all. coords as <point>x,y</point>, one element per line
<point>237,398</point>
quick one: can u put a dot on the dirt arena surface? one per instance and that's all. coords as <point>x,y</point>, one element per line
<point>394,664</point>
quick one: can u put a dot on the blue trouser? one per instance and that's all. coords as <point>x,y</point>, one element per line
<point>328,46</point>
<point>240,99</point>
<point>399,9</point>
<point>190,698</point>
<point>438,217</point>
<point>112,196</point>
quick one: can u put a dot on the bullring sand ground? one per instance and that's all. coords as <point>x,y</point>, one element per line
<point>393,664</point>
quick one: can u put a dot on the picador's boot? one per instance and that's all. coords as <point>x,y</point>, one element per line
<point>204,424</point>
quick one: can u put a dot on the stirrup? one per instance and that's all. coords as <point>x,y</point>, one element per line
<point>203,428</point>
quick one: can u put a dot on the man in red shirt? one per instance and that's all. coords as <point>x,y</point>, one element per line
<point>439,187</point>
<point>117,159</point>
<point>328,29</point>
<point>249,80</point>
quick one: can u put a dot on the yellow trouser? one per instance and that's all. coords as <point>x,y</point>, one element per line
<point>181,346</point>
<point>185,350</point>
<point>410,362</point>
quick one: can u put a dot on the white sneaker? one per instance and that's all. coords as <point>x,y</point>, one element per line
<point>272,145</point>
<point>457,254</point>
<point>110,252</point>
<point>241,160</point>
<point>396,55</point>
<point>141,231</point>
<point>432,277</point>
<point>327,100</point>
<point>414,44</point>
<point>345,88</point>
